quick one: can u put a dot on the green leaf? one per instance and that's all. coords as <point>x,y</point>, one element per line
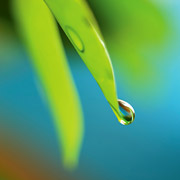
<point>41,35</point>
<point>78,23</point>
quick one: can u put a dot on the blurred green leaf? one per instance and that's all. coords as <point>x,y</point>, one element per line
<point>41,35</point>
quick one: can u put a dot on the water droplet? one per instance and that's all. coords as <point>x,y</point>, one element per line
<point>75,38</point>
<point>127,111</point>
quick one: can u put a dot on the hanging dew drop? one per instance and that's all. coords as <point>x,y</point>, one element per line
<point>127,112</point>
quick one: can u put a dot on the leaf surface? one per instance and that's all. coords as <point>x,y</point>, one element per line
<point>80,26</point>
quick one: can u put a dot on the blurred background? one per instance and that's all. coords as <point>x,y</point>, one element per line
<point>143,39</point>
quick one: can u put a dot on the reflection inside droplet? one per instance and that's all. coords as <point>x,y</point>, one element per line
<point>127,111</point>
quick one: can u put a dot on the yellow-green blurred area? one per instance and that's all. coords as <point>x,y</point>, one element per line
<point>143,40</point>
<point>136,33</point>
